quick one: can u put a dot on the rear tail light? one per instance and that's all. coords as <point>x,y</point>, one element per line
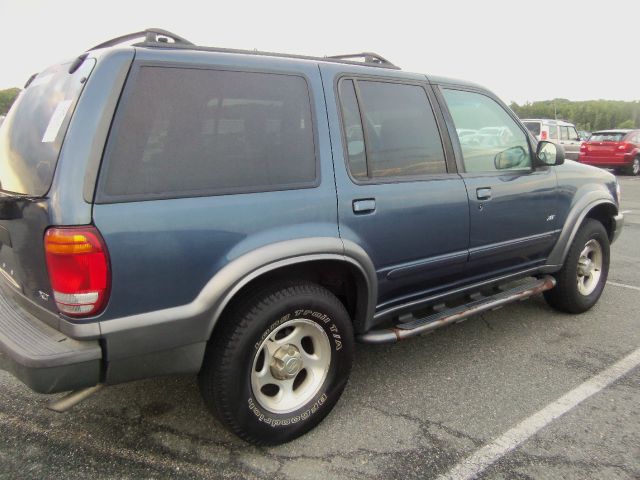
<point>543,135</point>
<point>627,147</point>
<point>78,265</point>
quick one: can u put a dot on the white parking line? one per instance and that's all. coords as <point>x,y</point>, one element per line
<point>476,463</point>
<point>623,285</point>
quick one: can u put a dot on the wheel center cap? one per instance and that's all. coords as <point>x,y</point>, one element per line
<point>287,362</point>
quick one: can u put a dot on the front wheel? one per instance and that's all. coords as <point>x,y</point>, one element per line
<point>583,276</point>
<point>279,362</point>
<point>634,168</point>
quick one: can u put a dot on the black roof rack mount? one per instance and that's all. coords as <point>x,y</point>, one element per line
<point>156,37</point>
<point>368,57</point>
<point>150,35</point>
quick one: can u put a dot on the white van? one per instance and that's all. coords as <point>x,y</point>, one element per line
<point>556,131</point>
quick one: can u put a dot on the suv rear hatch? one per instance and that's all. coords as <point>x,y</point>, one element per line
<point>31,139</point>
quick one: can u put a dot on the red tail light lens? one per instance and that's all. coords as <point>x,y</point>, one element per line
<point>78,266</point>
<point>543,135</point>
<point>627,147</point>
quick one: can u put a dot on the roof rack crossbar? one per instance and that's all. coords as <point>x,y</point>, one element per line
<point>150,35</point>
<point>369,57</point>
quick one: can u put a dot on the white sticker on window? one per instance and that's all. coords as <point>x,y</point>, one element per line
<point>55,123</point>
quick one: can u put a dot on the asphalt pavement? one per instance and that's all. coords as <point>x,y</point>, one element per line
<point>417,409</point>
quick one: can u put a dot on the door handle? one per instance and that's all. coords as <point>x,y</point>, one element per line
<point>483,193</point>
<point>364,205</point>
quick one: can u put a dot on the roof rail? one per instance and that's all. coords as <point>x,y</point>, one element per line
<point>151,36</point>
<point>368,57</point>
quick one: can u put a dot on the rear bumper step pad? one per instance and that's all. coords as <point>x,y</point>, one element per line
<point>42,357</point>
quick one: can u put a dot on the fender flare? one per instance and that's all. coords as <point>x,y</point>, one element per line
<point>227,282</point>
<point>574,220</point>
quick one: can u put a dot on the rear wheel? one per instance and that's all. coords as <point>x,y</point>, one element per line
<point>279,363</point>
<point>583,276</point>
<point>634,168</point>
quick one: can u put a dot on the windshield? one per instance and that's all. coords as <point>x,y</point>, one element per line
<point>607,137</point>
<point>32,133</point>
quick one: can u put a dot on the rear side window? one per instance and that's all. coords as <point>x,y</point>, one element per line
<point>553,132</point>
<point>189,132</point>
<point>533,127</point>
<point>400,131</point>
<point>31,136</point>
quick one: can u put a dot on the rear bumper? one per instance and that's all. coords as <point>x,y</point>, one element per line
<point>40,356</point>
<point>610,162</point>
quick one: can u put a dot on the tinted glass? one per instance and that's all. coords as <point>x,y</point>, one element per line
<point>353,129</point>
<point>32,134</point>
<point>401,131</point>
<point>189,131</point>
<point>607,137</point>
<point>534,127</point>
<point>499,144</point>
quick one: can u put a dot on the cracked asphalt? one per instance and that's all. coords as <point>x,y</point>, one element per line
<point>411,410</point>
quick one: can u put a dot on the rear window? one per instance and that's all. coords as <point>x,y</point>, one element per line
<point>607,137</point>
<point>32,134</point>
<point>533,127</point>
<point>189,132</point>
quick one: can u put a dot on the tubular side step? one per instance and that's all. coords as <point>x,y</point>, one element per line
<point>457,314</point>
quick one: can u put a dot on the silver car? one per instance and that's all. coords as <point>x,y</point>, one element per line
<point>556,131</point>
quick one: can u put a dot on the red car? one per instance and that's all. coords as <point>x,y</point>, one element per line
<point>617,149</point>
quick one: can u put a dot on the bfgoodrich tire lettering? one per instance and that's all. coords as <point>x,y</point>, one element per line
<point>584,273</point>
<point>237,353</point>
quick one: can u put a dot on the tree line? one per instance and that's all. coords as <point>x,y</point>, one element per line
<point>7,98</point>
<point>590,115</point>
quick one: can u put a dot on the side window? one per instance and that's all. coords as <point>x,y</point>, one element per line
<point>564,133</point>
<point>401,138</point>
<point>498,144</point>
<point>184,132</point>
<point>573,135</point>
<point>353,130</point>
<point>553,132</point>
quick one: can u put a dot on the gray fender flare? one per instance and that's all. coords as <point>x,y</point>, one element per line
<point>221,289</point>
<point>575,218</point>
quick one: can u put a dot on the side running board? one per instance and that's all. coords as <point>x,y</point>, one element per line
<point>457,314</point>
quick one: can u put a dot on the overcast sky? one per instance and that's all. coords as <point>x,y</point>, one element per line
<point>522,50</point>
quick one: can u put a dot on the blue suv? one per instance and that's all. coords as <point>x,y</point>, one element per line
<point>169,208</point>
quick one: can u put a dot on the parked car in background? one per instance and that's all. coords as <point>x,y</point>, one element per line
<point>617,149</point>
<point>584,135</point>
<point>556,131</point>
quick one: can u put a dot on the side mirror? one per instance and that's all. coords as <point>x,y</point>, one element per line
<point>511,158</point>
<point>550,153</point>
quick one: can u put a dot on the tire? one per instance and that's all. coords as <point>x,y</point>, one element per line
<point>634,168</point>
<point>242,381</point>
<point>576,291</point>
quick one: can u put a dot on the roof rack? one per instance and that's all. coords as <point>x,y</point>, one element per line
<point>156,37</point>
<point>151,36</point>
<point>369,58</point>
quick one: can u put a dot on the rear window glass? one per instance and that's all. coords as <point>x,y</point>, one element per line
<point>32,133</point>
<point>607,137</point>
<point>533,127</point>
<point>183,132</point>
